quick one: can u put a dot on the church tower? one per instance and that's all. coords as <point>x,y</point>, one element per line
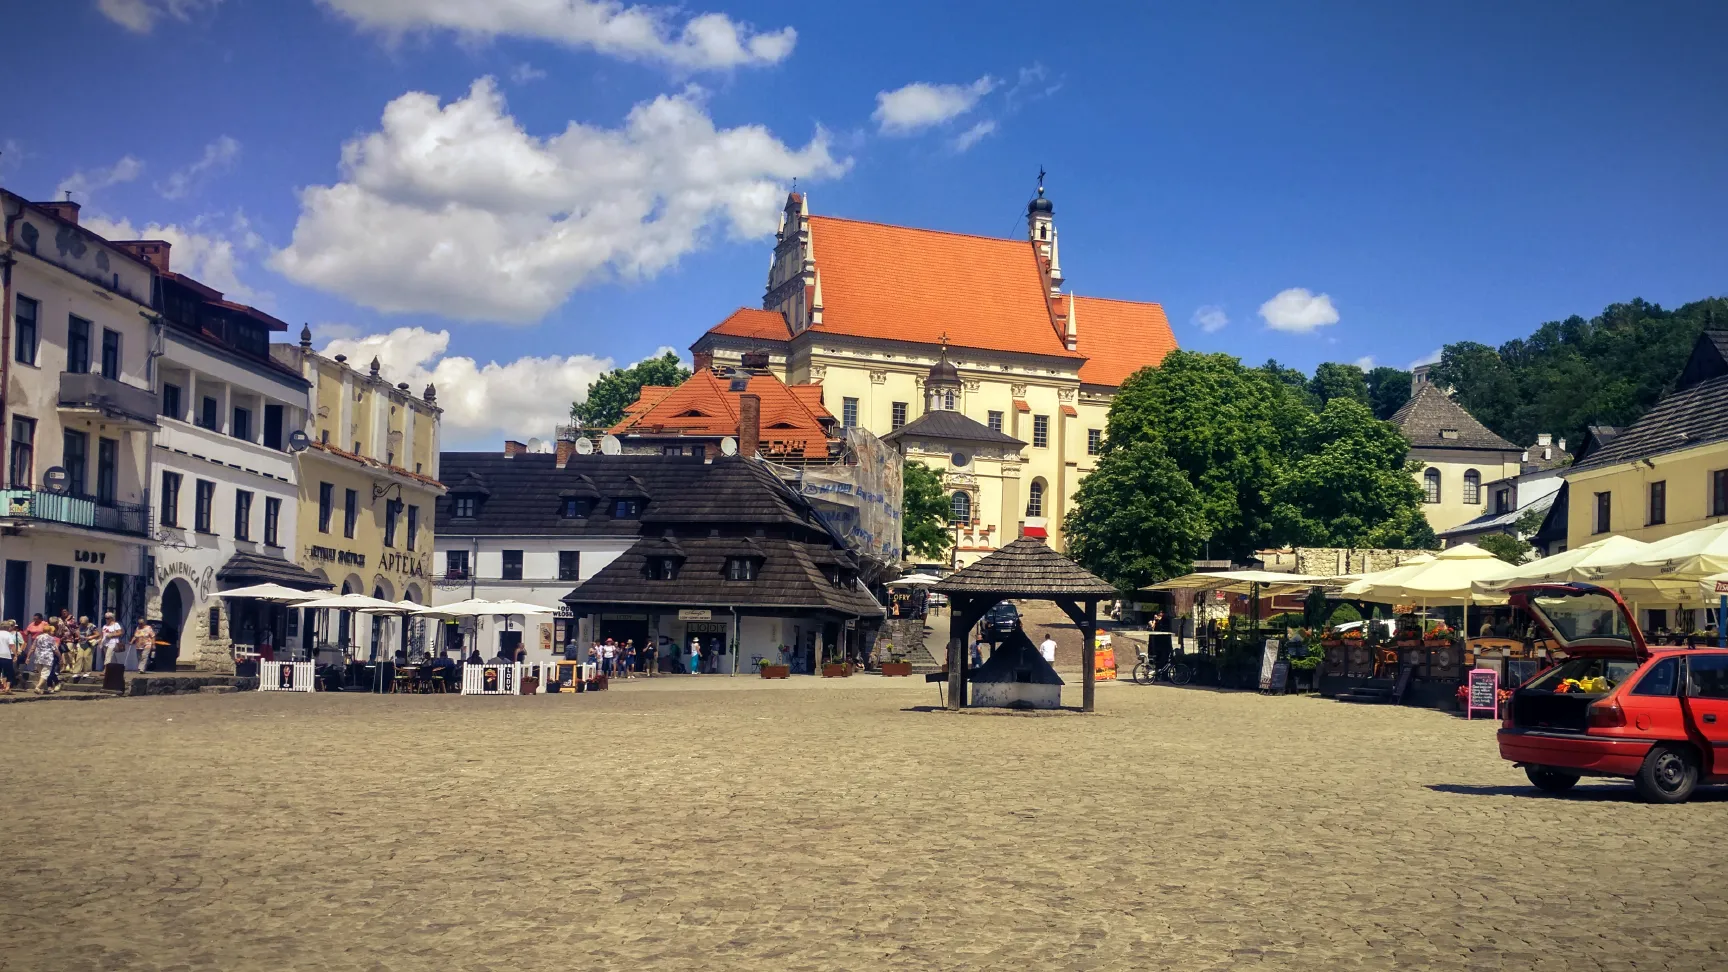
<point>1041,230</point>
<point>942,385</point>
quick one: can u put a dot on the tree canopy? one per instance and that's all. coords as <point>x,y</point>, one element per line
<point>1136,518</point>
<point>613,392</point>
<point>1333,380</point>
<point>1388,390</point>
<point>924,512</point>
<point>1347,485</point>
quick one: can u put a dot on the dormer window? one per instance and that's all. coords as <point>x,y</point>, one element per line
<point>575,508</point>
<point>662,568</point>
<point>626,509</point>
<point>1448,433</point>
<point>740,568</point>
<point>463,507</point>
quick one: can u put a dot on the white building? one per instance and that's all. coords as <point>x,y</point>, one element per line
<point>78,330</point>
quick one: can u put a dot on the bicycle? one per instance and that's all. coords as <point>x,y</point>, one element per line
<point>1174,672</point>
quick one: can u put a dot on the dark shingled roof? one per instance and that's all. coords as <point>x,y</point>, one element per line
<point>942,424</point>
<point>1696,413</point>
<point>1431,412</point>
<point>246,569</point>
<point>1026,568</point>
<point>523,494</point>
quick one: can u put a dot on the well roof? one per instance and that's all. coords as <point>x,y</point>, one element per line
<point>1026,568</point>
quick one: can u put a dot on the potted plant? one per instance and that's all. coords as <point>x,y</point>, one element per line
<point>767,669</point>
<point>836,670</point>
<point>1438,636</point>
<point>896,666</point>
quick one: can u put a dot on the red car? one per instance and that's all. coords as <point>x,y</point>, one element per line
<point>1617,706</point>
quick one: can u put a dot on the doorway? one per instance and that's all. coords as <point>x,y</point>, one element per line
<point>176,603</point>
<point>17,588</point>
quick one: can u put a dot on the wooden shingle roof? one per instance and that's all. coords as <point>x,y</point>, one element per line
<point>1432,420</point>
<point>1026,568</point>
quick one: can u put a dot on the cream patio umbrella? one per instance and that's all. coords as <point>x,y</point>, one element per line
<point>1447,579</point>
<point>274,593</point>
<point>1688,556</point>
<point>1578,564</point>
<point>1390,575</point>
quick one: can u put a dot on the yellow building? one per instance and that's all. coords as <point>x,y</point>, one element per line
<point>368,485</point>
<point>1457,454</point>
<point>866,310</point>
<point>1666,473</point>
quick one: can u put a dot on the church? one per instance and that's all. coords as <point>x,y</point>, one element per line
<point>1023,369</point>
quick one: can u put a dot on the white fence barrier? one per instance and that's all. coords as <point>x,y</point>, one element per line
<point>491,679</point>
<point>282,676</point>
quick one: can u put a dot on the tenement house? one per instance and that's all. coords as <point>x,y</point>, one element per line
<point>865,310</point>
<point>77,329</point>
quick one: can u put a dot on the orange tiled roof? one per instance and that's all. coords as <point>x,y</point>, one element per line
<point>1119,337</point>
<point>1021,406</point>
<point>706,405</point>
<point>907,284</point>
<point>1070,411</point>
<point>753,322</point>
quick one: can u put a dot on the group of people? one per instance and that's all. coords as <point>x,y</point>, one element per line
<point>615,660</point>
<point>63,648</point>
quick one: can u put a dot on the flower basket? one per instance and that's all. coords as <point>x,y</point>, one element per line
<point>775,671</point>
<point>1331,642</point>
<point>897,669</point>
<point>1436,642</point>
<point>836,670</point>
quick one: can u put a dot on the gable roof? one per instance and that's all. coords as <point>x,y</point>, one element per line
<point>522,495</point>
<point>1026,568</point>
<point>1709,359</point>
<point>754,322</point>
<point>1694,416</point>
<point>943,424</point>
<point>1430,413</point>
<point>708,404</point>
<point>1119,337</point>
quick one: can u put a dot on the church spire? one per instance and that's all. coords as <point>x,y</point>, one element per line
<point>1041,230</point>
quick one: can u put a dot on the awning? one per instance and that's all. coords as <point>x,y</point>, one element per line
<point>1021,406</point>
<point>249,568</point>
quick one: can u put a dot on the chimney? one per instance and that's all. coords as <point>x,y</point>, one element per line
<point>566,445</point>
<point>749,424</point>
<point>703,360</point>
<point>1544,439</point>
<point>1561,444</point>
<point>512,448</point>
<point>153,252</point>
<point>1418,377</point>
<point>64,209</point>
<point>755,362</point>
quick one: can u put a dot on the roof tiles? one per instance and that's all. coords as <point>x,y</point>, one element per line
<point>1119,337</point>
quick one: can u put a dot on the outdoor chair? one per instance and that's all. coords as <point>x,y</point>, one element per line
<point>1385,661</point>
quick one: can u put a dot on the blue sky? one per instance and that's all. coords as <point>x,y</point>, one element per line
<point>1442,173</point>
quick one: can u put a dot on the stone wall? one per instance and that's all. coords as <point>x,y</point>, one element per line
<point>1332,561</point>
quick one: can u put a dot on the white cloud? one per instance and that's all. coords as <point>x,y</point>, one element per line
<point>208,251</point>
<point>707,41</point>
<point>1431,358</point>
<point>524,73</point>
<point>1032,84</point>
<point>85,183</point>
<point>1210,317</point>
<point>217,157</point>
<point>920,105</point>
<point>971,136</point>
<point>455,210</point>
<point>140,16</point>
<point>483,403</point>
<point>1299,311</point>
<point>1366,362</point>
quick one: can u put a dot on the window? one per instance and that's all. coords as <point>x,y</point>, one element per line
<point>241,428</point>
<point>960,509</point>
<point>413,524</point>
<point>740,568</point>
<point>350,512</point>
<point>75,456</point>
<point>171,401</point>
<point>1035,498</point>
<point>214,624</point>
<point>77,345</point>
<point>326,505</point>
<point>456,565</point>
<point>204,498</point>
<point>1658,503</point>
<point>948,401</point>
<point>1040,431</point>
<point>898,415</point>
<point>849,412</point>
<point>576,508</point>
<point>20,464</point>
<point>207,414</point>
<point>1663,678</point>
<point>1472,487</point>
<point>569,565</point>
<point>272,522</point>
<point>273,427</point>
<point>1707,677</point>
<point>671,450</point>
<point>995,421</point>
<point>1431,485</point>
<point>1719,493</point>
<point>512,565</point>
<point>1502,501</point>
<point>1094,441</point>
<point>1604,511</point>
<point>626,509</point>
<point>25,329</point>
<point>111,354</point>
<point>662,568</point>
<point>463,506</point>
<point>107,470</point>
<point>170,499</point>
<point>242,514</point>
<point>392,510</point>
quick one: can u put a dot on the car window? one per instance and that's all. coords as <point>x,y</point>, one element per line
<point>1707,676</point>
<point>1663,678</point>
<point>1615,670</point>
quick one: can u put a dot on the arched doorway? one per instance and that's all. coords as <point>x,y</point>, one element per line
<point>381,627</point>
<point>176,603</point>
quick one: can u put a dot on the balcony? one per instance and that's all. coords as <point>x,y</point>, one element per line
<point>78,511</point>
<point>126,405</point>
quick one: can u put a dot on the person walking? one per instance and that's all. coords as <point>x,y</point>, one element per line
<point>1048,648</point>
<point>138,651</point>
<point>609,657</point>
<point>8,656</point>
<point>109,644</point>
<point>695,656</point>
<point>629,658</point>
<point>44,654</point>
<point>978,653</point>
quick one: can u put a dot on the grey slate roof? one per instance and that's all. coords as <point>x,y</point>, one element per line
<point>942,424</point>
<point>1499,521</point>
<point>1431,412</point>
<point>523,495</point>
<point>1026,568</point>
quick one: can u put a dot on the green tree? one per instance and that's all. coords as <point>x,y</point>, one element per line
<point>1388,390</point>
<point>1349,485</point>
<point>1333,380</point>
<point>1506,547</point>
<point>924,511</point>
<point>1136,519</point>
<point>613,392</point>
<point>1292,379</point>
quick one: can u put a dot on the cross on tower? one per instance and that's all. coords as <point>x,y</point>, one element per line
<point>1041,174</point>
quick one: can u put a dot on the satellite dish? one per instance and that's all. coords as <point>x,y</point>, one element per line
<point>728,446</point>
<point>55,480</point>
<point>299,441</point>
<point>610,445</point>
<point>533,445</point>
<point>584,447</point>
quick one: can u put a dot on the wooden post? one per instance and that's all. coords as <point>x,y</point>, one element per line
<point>1089,658</point>
<point>957,649</point>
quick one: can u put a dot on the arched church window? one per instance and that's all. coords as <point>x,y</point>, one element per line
<point>1035,498</point>
<point>960,510</point>
<point>1431,485</point>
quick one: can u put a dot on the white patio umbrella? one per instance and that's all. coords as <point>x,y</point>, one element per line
<point>1391,574</point>
<point>1578,564</point>
<point>1446,579</point>
<point>275,593</point>
<point>915,580</point>
<point>352,602</point>
<point>1688,556</point>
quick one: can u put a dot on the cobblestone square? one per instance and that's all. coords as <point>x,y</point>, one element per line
<point>817,825</point>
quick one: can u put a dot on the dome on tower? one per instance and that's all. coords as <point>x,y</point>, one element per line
<point>943,371</point>
<point>1041,205</point>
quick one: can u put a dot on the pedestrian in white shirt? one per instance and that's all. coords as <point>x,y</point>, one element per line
<point>112,635</point>
<point>8,656</point>
<point>1048,648</point>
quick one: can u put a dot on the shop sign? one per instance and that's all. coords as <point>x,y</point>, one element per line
<point>1722,587</point>
<point>403,563</point>
<point>332,555</point>
<point>90,556</point>
<point>203,582</point>
<point>695,614</point>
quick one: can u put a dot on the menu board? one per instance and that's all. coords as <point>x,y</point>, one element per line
<point>1484,689</point>
<point>1281,676</point>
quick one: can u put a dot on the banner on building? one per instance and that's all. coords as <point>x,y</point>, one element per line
<point>283,676</point>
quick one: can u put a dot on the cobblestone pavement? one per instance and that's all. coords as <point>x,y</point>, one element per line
<point>820,825</point>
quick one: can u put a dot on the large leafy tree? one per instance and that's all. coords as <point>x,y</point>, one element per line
<point>924,510</point>
<point>1348,485</point>
<point>1137,518</point>
<point>1388,390</point>
<point>1333,380</point>
<point>613,392</point>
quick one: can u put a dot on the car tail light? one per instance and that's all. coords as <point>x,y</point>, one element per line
<point>1606,714</point>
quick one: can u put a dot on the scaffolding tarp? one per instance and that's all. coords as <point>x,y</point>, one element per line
<point>858,496</point>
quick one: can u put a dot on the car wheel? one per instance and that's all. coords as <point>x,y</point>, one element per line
<point>1550,781</point>
<point>1669,775</point>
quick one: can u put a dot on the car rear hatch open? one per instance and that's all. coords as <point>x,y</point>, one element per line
<point>1603,647</point>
